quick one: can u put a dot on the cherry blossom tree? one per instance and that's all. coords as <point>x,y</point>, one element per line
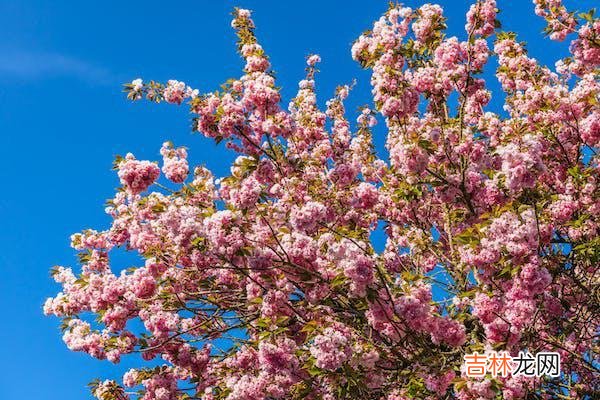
<point>266,284</point>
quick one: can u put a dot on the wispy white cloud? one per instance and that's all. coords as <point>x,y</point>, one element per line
<point>32,65</point>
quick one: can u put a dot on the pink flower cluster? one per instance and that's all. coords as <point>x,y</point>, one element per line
<point>136,175</point>
<point>176,92</point>
<point>269,283</point>
<point>481,18</point>
<point>429,21</point>
<point>175,165</point>
<point>560,21</point>
<point>332,348</point>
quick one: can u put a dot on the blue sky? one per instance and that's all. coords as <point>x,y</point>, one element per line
<point>63,118</point>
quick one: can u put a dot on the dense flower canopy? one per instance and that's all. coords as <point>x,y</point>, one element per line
<point>266,284</point>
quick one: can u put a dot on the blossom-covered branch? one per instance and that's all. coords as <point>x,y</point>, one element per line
<point>267,284</point>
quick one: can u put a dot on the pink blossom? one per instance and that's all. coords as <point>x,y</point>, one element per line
<point>332,348</point>
<point>319,266</point>
<point>313,60</point>
<point>136,175</point>
<point>175,165</point>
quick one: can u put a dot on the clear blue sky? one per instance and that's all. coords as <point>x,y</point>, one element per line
<point>63,118</point>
